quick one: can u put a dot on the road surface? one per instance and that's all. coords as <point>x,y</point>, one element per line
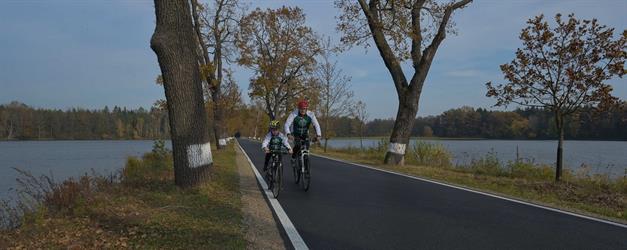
<point>351,207</point>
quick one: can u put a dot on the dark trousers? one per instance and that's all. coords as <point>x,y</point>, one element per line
<point>267,159</point>
<point>297,145</point>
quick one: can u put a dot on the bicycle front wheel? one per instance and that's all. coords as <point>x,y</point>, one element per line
<point>306,173</point>
<point>296,170</point>
<point>278,180</point>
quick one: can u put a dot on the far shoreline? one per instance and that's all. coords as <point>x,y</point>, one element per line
<point>342,138</point>
<point>470,139</point>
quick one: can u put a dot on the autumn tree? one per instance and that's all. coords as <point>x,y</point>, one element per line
<point>280,49</point>
<point>215,25</point>
<point>562,69</point>
<point>230,103</point>
<point>401,30</point>
<point>335,93</point>
<point>175,44</point>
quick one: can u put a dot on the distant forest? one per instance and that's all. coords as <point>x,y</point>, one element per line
<point>21,122</point>
<point>467,122</point>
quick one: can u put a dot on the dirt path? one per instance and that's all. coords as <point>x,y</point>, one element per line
<point>262,231</point>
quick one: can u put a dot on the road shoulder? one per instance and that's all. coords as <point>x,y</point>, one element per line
<point>261,230</point>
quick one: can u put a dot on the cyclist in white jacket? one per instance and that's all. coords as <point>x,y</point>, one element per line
<point>273,142</point>
<point>298,123</point>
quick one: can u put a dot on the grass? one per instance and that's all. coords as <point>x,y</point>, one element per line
<point>581,192</point>
<point>140,209</point>
<point>411,138</point>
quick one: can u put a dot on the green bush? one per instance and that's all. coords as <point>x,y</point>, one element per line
<point>155,165</point>
<point>487,165</point>
<point>428,154</point>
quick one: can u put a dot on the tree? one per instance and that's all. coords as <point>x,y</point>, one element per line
<point>335,93</point>
<point>562,69</point>
<point>280,49</point>
<point>360,113</point>
<point>427,131</point>
<point>215,25</point>
<point>230,103</point>
<point>175,45</point>
<point>400,30</point>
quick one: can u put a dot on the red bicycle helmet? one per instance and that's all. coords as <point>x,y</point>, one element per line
<point>303,104</point>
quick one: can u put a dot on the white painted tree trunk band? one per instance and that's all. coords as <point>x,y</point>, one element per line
<point>397,148</point>
<point>222,142</point>
<point>199,155</point>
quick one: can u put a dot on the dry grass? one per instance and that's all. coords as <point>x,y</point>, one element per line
<point>141,209</point>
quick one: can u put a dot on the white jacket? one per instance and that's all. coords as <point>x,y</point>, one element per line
<point>266,140</point>
<point>290,120</point>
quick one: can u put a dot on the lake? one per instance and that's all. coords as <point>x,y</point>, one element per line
<point>64,159</point>
<point>73,158</point>
<point>604,157</point>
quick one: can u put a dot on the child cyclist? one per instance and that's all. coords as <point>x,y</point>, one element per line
<point>273,141</point>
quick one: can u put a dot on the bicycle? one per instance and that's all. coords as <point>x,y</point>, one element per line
<point>274,174</point>
<point>301,168</point>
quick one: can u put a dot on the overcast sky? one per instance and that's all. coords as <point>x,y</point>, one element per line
<point>62,54</point>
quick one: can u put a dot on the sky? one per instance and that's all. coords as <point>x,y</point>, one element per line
<point>64,54</point>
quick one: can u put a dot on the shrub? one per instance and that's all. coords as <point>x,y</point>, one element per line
<point>428,154</point>
<point>487,165</point>
<point>153,166</point>
<point>35,195</point>
<point>527,169</point>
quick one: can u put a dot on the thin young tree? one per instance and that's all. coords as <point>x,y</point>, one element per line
<point>401,30</point>
<point>215,25</point>
<point>360,113</point>
<point>280,48</point>
<point>335,93</point>
<point>563,69</point>
<point>175,44</point>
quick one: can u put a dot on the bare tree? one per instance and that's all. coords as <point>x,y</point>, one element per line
<point>360,113</point>
<point>216,24</point>
<point>562,69</point>
<point>174,43</point>
<point>401,30</point>
<point>335,93</point>
<point>281,50</point>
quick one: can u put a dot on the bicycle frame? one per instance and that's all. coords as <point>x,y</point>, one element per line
<point>304,151</point>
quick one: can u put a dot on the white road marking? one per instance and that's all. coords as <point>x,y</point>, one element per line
<point>479,192</point>
<point>292,233</point>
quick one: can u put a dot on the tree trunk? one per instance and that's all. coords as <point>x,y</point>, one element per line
<point>173,42</point>
<point>560,143</point>
<point>326,131</point>
<point>361,136</point>
<point>10,133</point>
<point>213,82</point>
<point>219,129</point>
<point>405,117</point>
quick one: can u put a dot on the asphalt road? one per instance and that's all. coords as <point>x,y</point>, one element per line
<point>351,207</point>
